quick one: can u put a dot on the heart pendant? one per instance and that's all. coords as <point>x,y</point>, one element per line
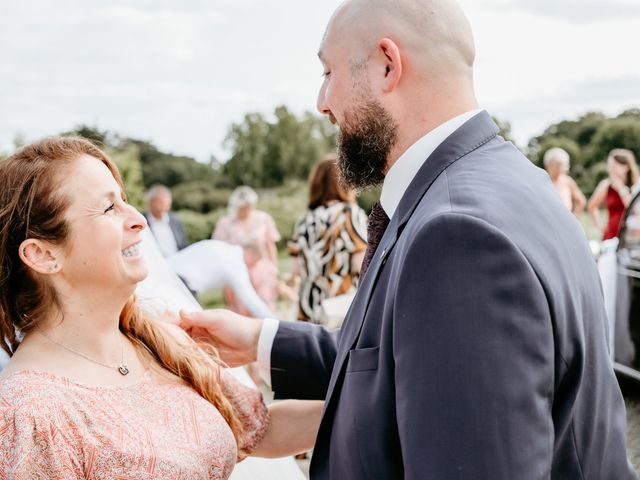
<point>123,369</point>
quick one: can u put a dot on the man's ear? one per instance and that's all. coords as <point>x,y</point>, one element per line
<point>393,64</point>
<point>40,256</point>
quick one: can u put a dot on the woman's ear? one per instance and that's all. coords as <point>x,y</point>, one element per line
<point>393,64</point>
<point>39,256</point>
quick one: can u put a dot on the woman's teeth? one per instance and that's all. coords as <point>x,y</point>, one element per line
<point>131,251</point>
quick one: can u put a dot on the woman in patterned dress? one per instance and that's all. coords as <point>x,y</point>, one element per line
<point>94,388</point>
<point>328,244</point>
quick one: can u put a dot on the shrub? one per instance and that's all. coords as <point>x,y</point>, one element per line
<point>198,226</point>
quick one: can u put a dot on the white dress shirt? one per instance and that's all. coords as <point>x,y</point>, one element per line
<point>394,186</point>
<point>164,235</point>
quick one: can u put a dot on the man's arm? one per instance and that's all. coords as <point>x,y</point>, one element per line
<point>240,283</point>
<point>178,231</point>
<point>301,354</point>
<point>302,359</point>
<point>474,357</point>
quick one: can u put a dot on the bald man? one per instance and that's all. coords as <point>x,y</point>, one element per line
<point>476,345</point>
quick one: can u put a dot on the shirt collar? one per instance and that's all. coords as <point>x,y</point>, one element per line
<point>164,219</point>
<point>406,167</point>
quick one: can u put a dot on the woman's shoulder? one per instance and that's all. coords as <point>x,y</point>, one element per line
<point>223,221</point>
<point>29,393</point>
<point>262,216</point>
<point>604,184</point>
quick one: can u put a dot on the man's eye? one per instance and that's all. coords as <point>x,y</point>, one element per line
<point>110,208</point>
<point>326,74</point>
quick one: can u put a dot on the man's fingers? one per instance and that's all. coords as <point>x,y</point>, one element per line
<point>198,319</point>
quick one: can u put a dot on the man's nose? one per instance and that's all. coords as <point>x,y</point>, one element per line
<point>321,104</point>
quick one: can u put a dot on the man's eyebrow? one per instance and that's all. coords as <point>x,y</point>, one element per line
<point>320,56</point>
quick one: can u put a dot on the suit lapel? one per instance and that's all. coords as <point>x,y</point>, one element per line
<point>475,132</point>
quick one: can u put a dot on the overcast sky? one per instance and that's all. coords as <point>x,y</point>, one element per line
<point>179,72</point>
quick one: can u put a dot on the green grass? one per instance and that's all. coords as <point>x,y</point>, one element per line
<point>589,228</point>
<point>211,299</point>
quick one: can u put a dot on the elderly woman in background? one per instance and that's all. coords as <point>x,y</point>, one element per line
<point>95,388</point>
<point>256,232</point>
<point>556,162</point>
<point>615,191</point>
<point>328,244</point>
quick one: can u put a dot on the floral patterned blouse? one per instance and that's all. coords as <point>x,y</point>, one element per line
<point>54,428</point>
<point>326,240</point>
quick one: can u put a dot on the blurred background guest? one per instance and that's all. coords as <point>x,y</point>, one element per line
<point>328,244</point>
<point>256,232</point>
<point>213,264</point>
<point>614,191</point>
<point>165,226</point>
<point>556,163</point>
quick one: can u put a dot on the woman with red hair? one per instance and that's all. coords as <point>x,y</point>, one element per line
<point>95,388</point>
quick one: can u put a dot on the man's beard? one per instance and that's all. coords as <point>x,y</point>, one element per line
<point>365,140</point>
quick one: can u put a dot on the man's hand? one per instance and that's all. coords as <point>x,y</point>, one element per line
<point>235,336</point>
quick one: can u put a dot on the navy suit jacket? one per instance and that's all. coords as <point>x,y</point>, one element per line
<point>476,346</point>
<point>176,228</point>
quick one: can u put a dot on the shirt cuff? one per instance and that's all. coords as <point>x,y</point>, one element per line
<point>265,343</point>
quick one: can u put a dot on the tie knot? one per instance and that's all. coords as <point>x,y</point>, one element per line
<point>378,221</point>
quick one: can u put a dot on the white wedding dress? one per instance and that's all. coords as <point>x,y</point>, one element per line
<point>162,290</point>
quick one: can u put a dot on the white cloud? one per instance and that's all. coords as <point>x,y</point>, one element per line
<point>179,72</point>
<point>581,11</point>
<point>610,96</point>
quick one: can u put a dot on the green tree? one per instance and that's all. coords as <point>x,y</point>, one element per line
<point>505,129</point>
<point>101,138</point>
<point>588,140</point>
<point>167,168</point>
<point>128,162</point>
<point>621,132</point>
<point>580,131</point>
<point>267,152</point>
<point>199,197</point>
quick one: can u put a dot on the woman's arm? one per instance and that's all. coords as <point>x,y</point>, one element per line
<point>293,427</point>
<point>623,191</point>
<point>356,261</point>
<point>596,200</point>
<point>577,198</point>
<point>272,252</point>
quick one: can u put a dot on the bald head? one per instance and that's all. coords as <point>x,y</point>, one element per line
<point>435,35</point>
<point>405,64</point>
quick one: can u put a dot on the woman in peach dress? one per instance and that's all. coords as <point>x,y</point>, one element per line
<point>256,232</point>
<point>94,388</point>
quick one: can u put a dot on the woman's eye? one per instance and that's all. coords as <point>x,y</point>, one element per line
<point>326,74</point>
<point>110,208</point>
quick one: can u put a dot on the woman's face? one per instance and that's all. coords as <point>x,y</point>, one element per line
<point>102,247</point>
<point>554,169</point>
<point>617,169</point>
<point>244,212</point>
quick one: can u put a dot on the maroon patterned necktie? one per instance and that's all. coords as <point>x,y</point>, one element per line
<point>378,222</point>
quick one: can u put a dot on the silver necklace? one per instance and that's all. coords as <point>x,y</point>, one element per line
<point>122,368</point>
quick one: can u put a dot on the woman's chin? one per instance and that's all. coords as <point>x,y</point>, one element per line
<point>138,270</point>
